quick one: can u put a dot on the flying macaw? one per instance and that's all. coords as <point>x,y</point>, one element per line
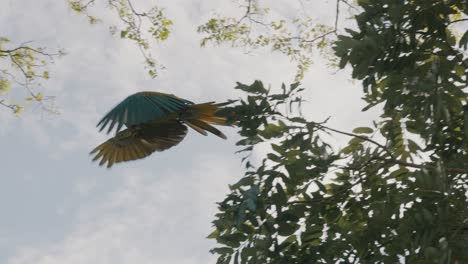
<point>154,122</point>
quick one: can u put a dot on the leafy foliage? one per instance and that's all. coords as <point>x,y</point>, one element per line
<point>307,203</point>
<point>133,25</point>
<point>398,190</point>
<point>408,60</point>
<point>24,66</point>
<point>296,38</point>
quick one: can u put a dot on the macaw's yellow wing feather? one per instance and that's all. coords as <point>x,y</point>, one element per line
<point>139,142</point>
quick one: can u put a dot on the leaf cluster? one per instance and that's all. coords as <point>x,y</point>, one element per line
<point>411,62</point>
<point>295,38</point>
<point>24,66</point>
<point>133,26</point>
<point>398,190</point>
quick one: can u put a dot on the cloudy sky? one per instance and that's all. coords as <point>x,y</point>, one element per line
<point>59,207</point>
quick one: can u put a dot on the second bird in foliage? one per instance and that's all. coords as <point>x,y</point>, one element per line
<point>154,122</point>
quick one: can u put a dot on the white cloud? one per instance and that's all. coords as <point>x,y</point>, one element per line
<point>152,218</point>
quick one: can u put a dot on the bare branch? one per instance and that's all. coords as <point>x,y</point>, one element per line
<point>12,107</point>
<point>38,51</point>
<point>133,10</point>
<point>314,39</point>
<point>349,5</point>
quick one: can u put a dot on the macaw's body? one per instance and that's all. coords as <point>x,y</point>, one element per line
<point>154,122</point>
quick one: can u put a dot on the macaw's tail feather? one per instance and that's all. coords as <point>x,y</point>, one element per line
<point>227,113</point>
<point>201,127</point>
<point>201,117</point>
<point>206,112</point>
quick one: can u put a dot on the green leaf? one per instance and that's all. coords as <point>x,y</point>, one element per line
<point>363,130</point>
<point>274,157</point>
<point>459,70</point>
<point>5,85</point>
<point>298,120</point>
<point>321,186</point>
<point>464,40</point>
<point>123,33</point>
<point>413,146</point>
<point>222,250</point>
<point>277,148</point>
<point>294,86</point>
<point>311,234</point>
<point>249,141</point>
<point>256,88</point>
<point>356,141</point>
<point>273,130</point>
<point>349,149</point>
<point>232,240</point>
<point>290,239</point>
<point>282,197</point>
<point>245,181</point>
<point>213,234</point>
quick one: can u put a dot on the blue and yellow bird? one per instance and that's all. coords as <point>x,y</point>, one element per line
<point>154,121</point>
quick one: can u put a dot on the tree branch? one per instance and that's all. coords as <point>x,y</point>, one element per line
<point>133,9</point>
<point>422,166</point>
<point>38,51</point>
<point>458,20</point>
<point>12,107</point>
<point>355,135</point>
<point>337,15</point>
<point>393,159</point>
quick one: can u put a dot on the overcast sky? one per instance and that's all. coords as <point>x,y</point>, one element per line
<point>58,207</point>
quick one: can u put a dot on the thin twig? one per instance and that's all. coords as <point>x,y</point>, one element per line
<point>12,107</point>
<point>39,51</point>
<point>357,136</point>
<point>350,5</point>
<point>133,10</point>
<point>337,14</point>
<point>393,159</point>
<point>458,20</point>
<point>422,166</point>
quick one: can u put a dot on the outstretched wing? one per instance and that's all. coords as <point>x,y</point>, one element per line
<point>142,108</point>
<point>140,142</point>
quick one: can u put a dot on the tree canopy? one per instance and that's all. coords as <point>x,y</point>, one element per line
<point>398,190</point>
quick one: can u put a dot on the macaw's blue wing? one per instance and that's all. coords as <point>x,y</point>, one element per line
<point>142,108</point>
